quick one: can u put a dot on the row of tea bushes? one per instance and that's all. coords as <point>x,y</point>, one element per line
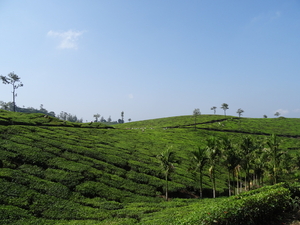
<point>254,208</point>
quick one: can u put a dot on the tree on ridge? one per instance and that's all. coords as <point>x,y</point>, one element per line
<point>224,107</point>
<point>14,80</point>
<point>96,117</point>
<point>196,113</point>
<point>213,108</point>
<point>240,112</point>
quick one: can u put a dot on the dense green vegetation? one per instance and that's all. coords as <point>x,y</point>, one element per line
<point>57,172</point>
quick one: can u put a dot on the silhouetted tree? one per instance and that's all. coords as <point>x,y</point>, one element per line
<point>196,113</point>
<point>14,80</point>
<point>224,107</point>
<point>240,112</point>
<point>122,116</point>
<point>96,117</point>
<point>265,116</point>
<point>277,114</point>
<point>214,108</point>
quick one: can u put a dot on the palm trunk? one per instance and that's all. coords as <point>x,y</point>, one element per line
<point>234,192</point>
<point>200,184</point>
<point>229,186</point>
<point>214,184</point>
<point>14,100</point>
<point>167,187</point>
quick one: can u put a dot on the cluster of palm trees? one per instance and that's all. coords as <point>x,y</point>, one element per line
<point>246,161</point>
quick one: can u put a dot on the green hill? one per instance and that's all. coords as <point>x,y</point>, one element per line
<point>57,172</point>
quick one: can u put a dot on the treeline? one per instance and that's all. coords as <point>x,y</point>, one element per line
<point>62,115</point>
<point>9,106</point>
<point>247,162</point>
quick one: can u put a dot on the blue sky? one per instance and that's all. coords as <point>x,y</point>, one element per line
<point>153,58</point>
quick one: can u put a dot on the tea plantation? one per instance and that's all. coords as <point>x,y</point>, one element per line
<point>57,172</point>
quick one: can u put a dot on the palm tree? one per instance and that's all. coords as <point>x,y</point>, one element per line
<point>166,159</point>
<point>224,107</point>
<point>247,147</point>
<point>260,165</point>
<point>199,158</point>
<point>275,154</point>
<point>213,154</point>
<point>231,158</point>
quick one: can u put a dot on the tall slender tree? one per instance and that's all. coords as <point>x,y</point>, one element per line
<point>213,155</point>
<point>166,159</point>
<point>196,113</point>
<point>247,147</point>
<point>122,116</point>
<point>273,143</point>
<point>230,157</point>
<point>15,81</point>
<point>224,107</point>
<point>240,112</point>
<point>259,163</point>
<point>214,108</point>
<point>96,117</point>
<point>199,160</point>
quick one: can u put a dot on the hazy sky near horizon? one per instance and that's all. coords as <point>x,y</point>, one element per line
<point>152,58</point>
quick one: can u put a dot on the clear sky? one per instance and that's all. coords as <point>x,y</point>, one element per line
<point>153,58</point>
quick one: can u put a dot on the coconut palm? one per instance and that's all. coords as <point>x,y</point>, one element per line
<point>273,143</point>
<point>213,153</point>
<point>260,165</point>
<point>230,157</point>
<point>199,160</point>
<point>166,159</point>
<point>247,147</point>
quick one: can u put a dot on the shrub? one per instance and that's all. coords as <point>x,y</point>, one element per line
<point>9,213</point>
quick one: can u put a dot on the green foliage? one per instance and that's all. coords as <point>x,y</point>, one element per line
<point>56,172</point>
<point>253,208</point>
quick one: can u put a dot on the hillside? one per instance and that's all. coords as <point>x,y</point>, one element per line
<point>55,170</point>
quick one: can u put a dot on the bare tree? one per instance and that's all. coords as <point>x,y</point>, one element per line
<point>14,80</point>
